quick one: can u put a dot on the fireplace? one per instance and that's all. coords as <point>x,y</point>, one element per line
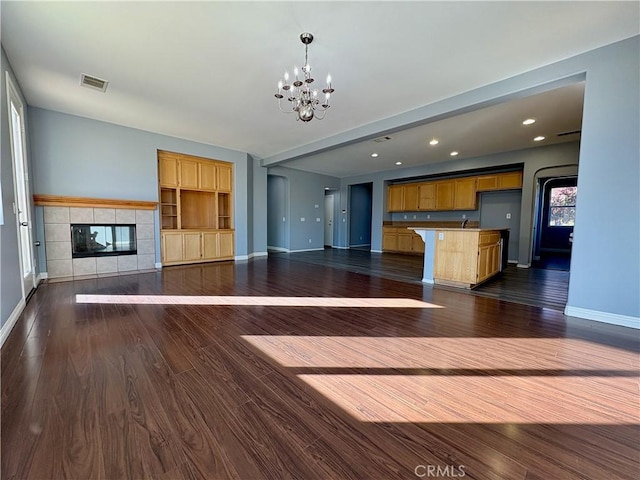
<point>102,240</point>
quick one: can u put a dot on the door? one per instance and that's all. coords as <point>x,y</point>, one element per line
<point>22,203</point>
<point>557,221</point>
<point>191,248</point>
<point>328,220</point>
<point>172,247</point>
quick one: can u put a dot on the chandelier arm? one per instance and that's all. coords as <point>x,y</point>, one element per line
<point>283,111</point>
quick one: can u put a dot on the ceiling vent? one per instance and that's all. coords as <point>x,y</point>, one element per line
<point>93,82</point>
<point>569,133</point>
<point>382,139</point>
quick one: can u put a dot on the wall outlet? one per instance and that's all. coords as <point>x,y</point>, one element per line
<point>360,237</point>
<point>415,216</point>
<point>344,219</point>
<point>428,216</point>
<point>317,206</point>
<point>405,217</point>
<point>309,240</point>
<point>284,219</point>
<point>440,235</point>
<point>508,216</point>
<point>317,219</point>
<point>464,216</point>
<point>302,219</point>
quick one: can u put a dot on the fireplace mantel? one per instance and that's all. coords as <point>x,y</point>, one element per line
<point>62,201</point>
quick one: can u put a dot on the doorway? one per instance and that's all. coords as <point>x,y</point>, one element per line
<point>22,203</point>
<point>555,222</point>
<point>360,208</point>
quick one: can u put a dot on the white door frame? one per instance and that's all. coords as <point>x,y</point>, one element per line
<point>24,224</point>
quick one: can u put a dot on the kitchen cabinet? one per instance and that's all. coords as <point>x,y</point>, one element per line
<point>465,258</point>
<point>395,195</point>
<point>465,195</point>
<point>427,196</point>
<point>499,181</point>
<point>401,240</point>
<point>410,197</point>
<point>445,190</point>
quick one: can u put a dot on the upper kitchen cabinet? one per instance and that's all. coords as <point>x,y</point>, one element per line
<point>465,194</point>
<point>445,192</point>
<point>499,181</point>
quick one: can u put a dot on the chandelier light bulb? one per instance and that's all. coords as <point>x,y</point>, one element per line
<point>304,101</point>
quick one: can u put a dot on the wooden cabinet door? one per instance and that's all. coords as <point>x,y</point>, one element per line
<point>210,248</point>
<point>417,244</point>
<point>167,170</point>
<point>427,196</point>
<point>465,194</point>
<point>207,176</point>
<point>488,261</point>
<point>512,180</point>
<point>171,247</point>
<point>444,195</point>
<point>404,242</point>
<point>225,245</point>
<point>189,174</point>
<point>487,183</point>
<point>191,248</point>
<point>389,240</point>
<point>395,198</point>
<point>224,177</point>
<point>410,198</point>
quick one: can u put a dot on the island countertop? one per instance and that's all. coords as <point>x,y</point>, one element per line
<point>459,229</point>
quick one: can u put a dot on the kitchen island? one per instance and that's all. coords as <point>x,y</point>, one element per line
<point>461,257</point>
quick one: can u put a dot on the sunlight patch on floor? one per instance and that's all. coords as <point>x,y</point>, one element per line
<point>485,354</point>
<point>342,302</point>
<point>469,380</point>
<point>480,399</point>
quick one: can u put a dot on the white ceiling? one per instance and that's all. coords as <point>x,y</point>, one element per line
<point>207,71</point>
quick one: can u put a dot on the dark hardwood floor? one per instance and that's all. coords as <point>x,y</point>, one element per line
<point>204,372</point>
<point>539,287</point>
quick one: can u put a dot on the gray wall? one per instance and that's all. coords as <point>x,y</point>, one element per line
<point>494,207</point>
<point>78,156</point>
<point>10,275</point>
<point>306,200</point>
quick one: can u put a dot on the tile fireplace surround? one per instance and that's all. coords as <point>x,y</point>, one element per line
<point>57,234</point>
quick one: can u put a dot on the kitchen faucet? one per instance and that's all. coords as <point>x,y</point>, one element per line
<point>464,222</point>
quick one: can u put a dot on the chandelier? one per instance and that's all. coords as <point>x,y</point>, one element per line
<point>303,99</point>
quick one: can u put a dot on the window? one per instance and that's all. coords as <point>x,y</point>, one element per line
<point>562,206</point>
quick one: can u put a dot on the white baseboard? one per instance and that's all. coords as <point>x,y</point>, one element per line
<point>307,250</point>
<point>277,249</point>
<point>605,317</point>
<point>360,245</point>
<point>11,321</point>
<point>258,254</point>
<point>41,276</point>
<point>513,261</point>
<point>376,251</point>
<point>426,280</point>
<point>158,265</point>
<point>340,248</point>
<point>523,265</point>
<point>241,257</point>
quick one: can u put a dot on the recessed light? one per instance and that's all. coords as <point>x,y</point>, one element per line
<point>539,138</point>
<point>327,188</point>
<point>453,154</point>
<point>398,163</point>
<point>374,155</point>
<point>529,121</point>
<point>434,141</point>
